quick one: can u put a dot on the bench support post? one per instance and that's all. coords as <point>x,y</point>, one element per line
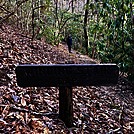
<point>66,105</point>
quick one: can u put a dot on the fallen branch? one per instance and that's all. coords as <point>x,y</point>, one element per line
<point>23,35</point>
<point>3,8</point>
<point>32,112</point>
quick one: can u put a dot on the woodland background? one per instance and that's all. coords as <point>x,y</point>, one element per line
<point>103,29</point>
<point>35,31</point>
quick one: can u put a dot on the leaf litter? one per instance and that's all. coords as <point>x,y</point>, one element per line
<point>97,110</point>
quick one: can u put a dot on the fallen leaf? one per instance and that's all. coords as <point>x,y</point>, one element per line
<point>46,130</point>
<point>23,102</point>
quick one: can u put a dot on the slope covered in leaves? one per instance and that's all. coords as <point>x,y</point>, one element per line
<point>35,110</point>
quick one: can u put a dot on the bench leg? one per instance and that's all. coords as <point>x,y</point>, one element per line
<point>66,105</point>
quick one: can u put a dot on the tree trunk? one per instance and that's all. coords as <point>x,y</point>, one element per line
<point>85,26</point>
<point>33,32</point>
<point>72,6</point>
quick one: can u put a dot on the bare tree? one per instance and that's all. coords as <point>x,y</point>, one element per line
<point>85,26</point>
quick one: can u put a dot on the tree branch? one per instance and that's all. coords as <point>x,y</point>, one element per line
<point>13,12</point>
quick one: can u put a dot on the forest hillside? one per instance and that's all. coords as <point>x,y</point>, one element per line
<point>35,110</point>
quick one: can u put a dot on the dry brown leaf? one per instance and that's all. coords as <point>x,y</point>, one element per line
<point>17,130</point>
<point>36,124</point>
<point>46,130</point>
<point>2,122</point>
<point>23,101</point>
<point>5,111</point>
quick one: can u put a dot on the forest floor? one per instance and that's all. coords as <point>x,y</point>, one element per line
<point>97,110</point>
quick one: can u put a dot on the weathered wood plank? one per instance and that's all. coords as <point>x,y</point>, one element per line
<point>66,105</point>
<point>66,75</point>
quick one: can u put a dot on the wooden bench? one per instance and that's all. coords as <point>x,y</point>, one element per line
<point>65,76</point>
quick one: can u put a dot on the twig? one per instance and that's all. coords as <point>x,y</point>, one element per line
<point>32,112</point>
<point>121,117</point>
<point>113,131</point>
<point>23,36</point>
